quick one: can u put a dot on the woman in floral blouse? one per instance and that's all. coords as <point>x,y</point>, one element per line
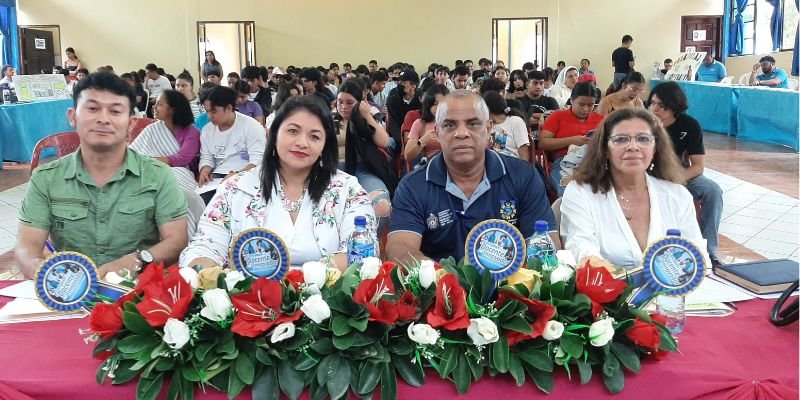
<point>297,192</point>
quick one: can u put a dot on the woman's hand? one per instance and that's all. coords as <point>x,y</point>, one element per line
<point>204,176</point>
<point>596,261</point>
<point>364,110</point>
<point>430,134</point>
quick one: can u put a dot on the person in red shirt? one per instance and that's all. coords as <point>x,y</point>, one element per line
<point>566,127</point>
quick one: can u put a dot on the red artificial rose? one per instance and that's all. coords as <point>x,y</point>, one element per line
<point>105,319</point>
<point>599,285</point>
<point>450,310</point>
<point>406,307</point>
<point>370,293</point>
<point>167,299</point>
<point>260,309</point>
<point>644,334</point>
<point>153,274</point>
<point>387,267</point>
<point>295,278</point>
<point>540,311</point>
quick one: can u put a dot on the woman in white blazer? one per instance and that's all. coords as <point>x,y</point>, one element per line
<point>297,192</point>
<point>627,192</point>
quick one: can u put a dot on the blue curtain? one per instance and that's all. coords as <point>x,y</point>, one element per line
<point>8,26</point>
<point>736,37</point>
<point>796,56</point>
<point>776,24</point>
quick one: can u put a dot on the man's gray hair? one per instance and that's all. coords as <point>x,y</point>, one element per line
<point>481,110</point>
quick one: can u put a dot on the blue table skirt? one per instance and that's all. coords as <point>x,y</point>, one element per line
<point>714,106</point>
<point>770,116</point>
<point>23,125</point>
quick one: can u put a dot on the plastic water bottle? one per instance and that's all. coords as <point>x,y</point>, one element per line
<point>541,246</point>
<point>360,244</point>
<point>673,307</point>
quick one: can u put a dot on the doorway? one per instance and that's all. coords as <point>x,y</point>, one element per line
<point>516,41</point>
<point>233,44</point>
<point>40,48</point>
<point>702,33</point>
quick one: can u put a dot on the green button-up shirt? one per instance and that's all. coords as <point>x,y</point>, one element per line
<point>102,223</point>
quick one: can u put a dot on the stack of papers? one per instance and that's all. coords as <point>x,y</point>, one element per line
<point>27,308</point>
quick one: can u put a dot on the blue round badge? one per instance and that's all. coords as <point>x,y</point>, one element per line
<point>496,246</point>
<point>672,265</point>
<point>66,281</point>
<point>260,252</point>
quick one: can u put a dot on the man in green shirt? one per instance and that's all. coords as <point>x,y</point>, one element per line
<point>118,208</point>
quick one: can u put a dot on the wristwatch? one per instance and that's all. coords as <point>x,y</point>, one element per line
<point>419,143</point>
<point>144,257</point>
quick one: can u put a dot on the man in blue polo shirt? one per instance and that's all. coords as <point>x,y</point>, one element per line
<point>772,76</point>
<point>435,207</point>
<point>710,70</point>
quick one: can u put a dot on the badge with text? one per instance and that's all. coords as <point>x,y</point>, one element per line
<point>496,246</point>
<point>260,252</point>
<point>66,281</point>
<point>671,265</point>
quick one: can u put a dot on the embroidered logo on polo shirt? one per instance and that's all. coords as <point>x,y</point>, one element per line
<point>508,210</point>
<point>433,222</point>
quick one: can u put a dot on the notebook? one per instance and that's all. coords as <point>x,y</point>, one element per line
<point>761,277</point>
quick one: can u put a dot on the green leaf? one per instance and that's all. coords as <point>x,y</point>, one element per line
<point>516,370</point>
<point>202,350</point>
<point>304,362</point>
<point>130,306</point>
<point>359,323</point>
<point>368,378</point>
<point>585,370</point>
<point>265,385</point>
<point>487,286</point>
<point>102,372</point>
<point>627,356</point>
<point>516,323</point>
<point>136,323</point>
<point>322,370</point>
<point>610,365</point>
<point>412,373</point>
<point>338,374</point>
<point>227,346</point>
<point>537,358</point>
<point>615,381</point>
<point>476,367</point>
<point>462,375</point>
<point>572,344</point>
<point>190,373</point>
<point>244,368</point>
<point>187,390</point>
<point>323,346</point>
<point>340,324</point>
<point>135,343</point>
<point>450,358</point>
<point>124,373</point>
<point>388,382</point>
<point>103,346</point>
<point>148,389</point>
<point>174,387</point>
<point>543,380</point>
<point>500,354</point>
<point>263,357</point>
<point>290,380</point>
<point>668,342</point>
<point>235,385</point>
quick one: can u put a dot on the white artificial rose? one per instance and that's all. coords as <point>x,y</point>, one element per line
<point>113,277</point>
<point>422,333</point>
<point>190,276</point>
<point>315,273</point>
<point>482,331</point>
<point>232,278</point>
<point>282,332</point>
<point>176,333</point>
<point>370,266</point>
<point>316,308</point>
<point>553,330</point>
<point>427,273</point>
<point>562,273</point>
<point>601,332</point>
<point>565,257</point>
<point>218,305</point>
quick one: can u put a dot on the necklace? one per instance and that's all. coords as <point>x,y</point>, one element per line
<point>289,205</point>
<point>627,207</point>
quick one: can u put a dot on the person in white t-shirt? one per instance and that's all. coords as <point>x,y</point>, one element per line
<point>231,142</point>
<point>156,83</point>
<point>509,134</point>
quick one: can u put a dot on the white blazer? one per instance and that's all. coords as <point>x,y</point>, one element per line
<point>592,224</point>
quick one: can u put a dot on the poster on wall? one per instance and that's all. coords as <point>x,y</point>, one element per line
<point>698,36</point>
<point>685,66</point>
<point>41,87</point>
<point>40,44</point>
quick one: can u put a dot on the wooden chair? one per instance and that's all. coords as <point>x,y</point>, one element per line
<point>64,143</point>
<point>137,128</point>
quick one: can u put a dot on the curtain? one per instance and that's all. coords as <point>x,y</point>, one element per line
<point>776,24</point>
<point>736,38</point>
<point>796,56</point>
<point>8,27</point>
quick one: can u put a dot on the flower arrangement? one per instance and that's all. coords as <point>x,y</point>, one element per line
<point>332,332</point>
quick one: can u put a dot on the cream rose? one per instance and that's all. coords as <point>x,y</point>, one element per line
<point>427,273</point>
<point>562,273</point>
<point>282,332</point>
<point>316,308</point>
<point>315,273</point>
<point>218,305</point>
<point>553,330</point>
<point>176,333</point>
<point>370,266</point>
<point>190,276</point>
<point>208,277</point>
<point>232,278</point>
<point>601,332</point>
<point>482,331</point>
<point>422,333</point>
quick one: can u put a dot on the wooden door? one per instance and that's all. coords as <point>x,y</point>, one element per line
<point>703,33</point>
<point>37,51</point>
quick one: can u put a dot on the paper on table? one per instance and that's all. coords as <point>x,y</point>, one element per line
<point>209,186</point>
<point>749,293</point>
<point>28,310</point>
<point>714,291</point>
<point>23,290</point>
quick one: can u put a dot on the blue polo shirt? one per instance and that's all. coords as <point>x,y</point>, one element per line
<point>429,204</point>
<point>776,73</point>
<point>711,73</point>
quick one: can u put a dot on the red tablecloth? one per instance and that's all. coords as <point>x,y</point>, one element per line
<point>737,357</point>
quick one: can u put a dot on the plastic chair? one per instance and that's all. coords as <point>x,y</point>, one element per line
<point>196,207</point>
<point>792,84</point>
<point>138,127</point>
<point>64,143</point>
<point>727,80</point>
<point>745,79</point>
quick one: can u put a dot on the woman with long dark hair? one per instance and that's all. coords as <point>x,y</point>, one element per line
<point>423,136</point>
<point>211,64</point>
<point>297,192</point>
<point>509,133</point>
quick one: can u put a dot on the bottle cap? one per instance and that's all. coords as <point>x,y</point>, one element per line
<point>673,232</point>
<point>360,220</point>
<point>541,226</point>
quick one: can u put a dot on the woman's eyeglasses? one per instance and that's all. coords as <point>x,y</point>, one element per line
<point>643,140</point>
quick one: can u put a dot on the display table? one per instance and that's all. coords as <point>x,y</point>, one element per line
<point>22,125</point>
<point>749,113</point>
<point>737,357</point>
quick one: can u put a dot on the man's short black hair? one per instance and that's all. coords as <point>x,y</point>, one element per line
<point>536,76</point>
<point>379,76</point>
<point>333,65</point>
<point>459,71</point>
<point>362,69</point>
<point>104,81</point>
<point>671,96</point>
<point>627,39</point>
<point>468,62</point>
<point>492,84</point>
<point>527,66</point>
<point>222,96</point>
<point>484,61</point>
<point>264,73</point>
<point>345,65</point>
<point>561,63</point>
<point>151,67</point>
<point>667,61</point>
<point>767,58</point>
<point>251,72</point>
<point>373,62</point>
<point>311,74</point>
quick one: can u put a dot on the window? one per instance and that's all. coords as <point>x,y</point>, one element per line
<point>757,16</point>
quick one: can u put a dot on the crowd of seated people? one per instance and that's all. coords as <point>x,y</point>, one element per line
<point>304,150</point>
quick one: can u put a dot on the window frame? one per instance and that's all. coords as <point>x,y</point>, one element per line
<point>751,34</point>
